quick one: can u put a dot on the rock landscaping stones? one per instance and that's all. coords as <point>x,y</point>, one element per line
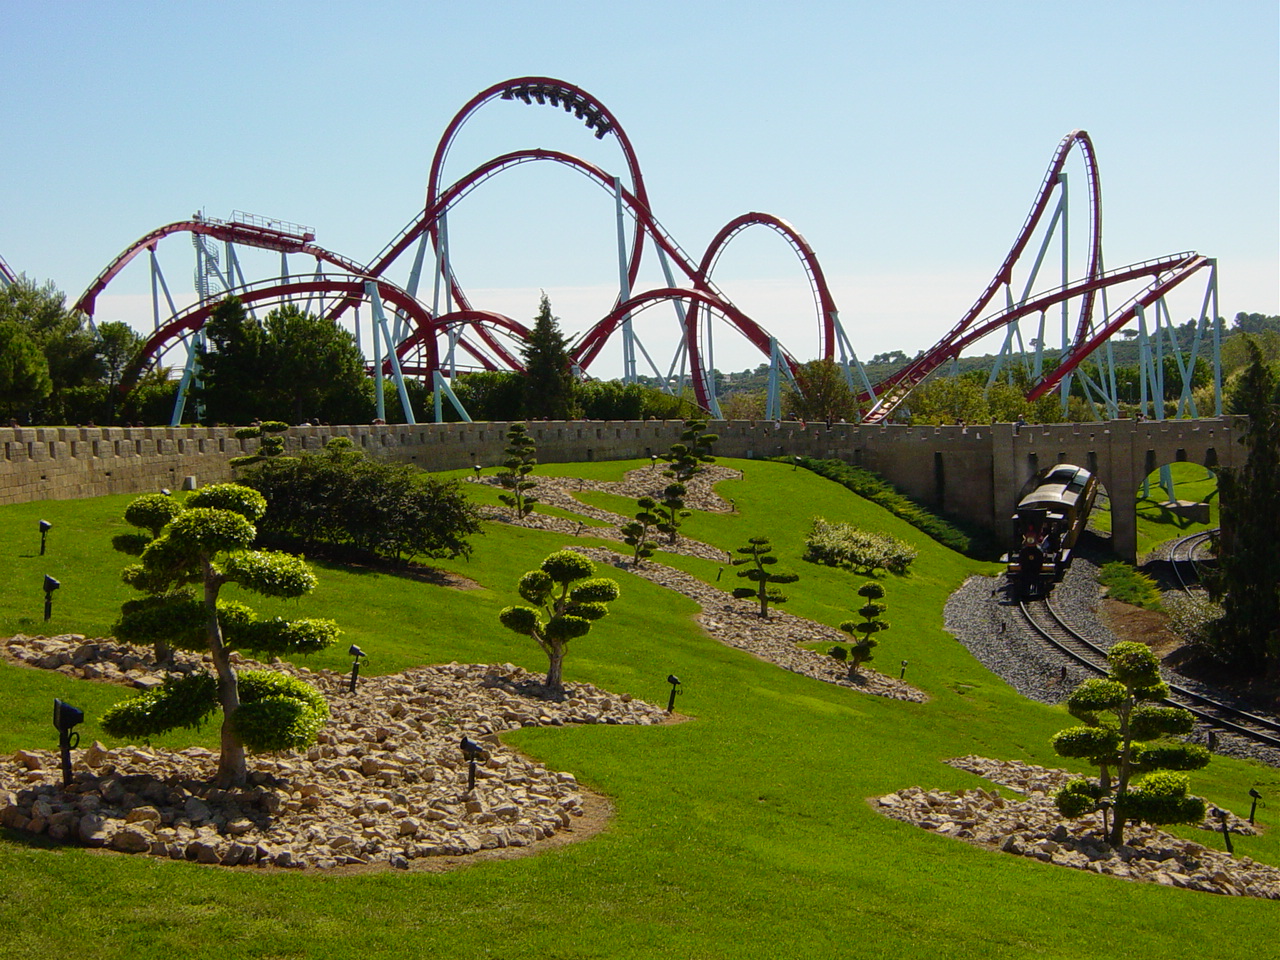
<point>1030,826</point>
<point>558,492</point>
<point>386,781</point>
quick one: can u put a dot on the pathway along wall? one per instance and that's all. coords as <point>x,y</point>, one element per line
<point>974,473</point>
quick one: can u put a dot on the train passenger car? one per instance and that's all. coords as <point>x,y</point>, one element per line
<point>1051,515</point>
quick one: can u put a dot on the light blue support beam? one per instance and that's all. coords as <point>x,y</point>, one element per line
<point>440,386</point>
<point>380,325</point>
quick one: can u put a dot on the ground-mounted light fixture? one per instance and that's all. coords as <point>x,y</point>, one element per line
<point>675,691</point>
<point>473,752</point>
<point>65,717</point>
<point>1253,807</point>
<point>477,468</point>
<point>1226,831</point>
<point>653,461</point>
<point>1105,807</point>
<point>795,464</point>
<point>903,672</point>
<point>50,585</point>
<point>356,653</point>
<point>44,532</point>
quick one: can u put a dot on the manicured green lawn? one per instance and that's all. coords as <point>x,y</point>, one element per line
<point>743,833</point>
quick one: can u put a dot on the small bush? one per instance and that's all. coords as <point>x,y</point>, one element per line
<point>1127,585</point>
<point>844,545</point>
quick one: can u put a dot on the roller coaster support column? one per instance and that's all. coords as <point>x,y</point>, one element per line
<point>441,388</point>
<point>773,407</point>
<point>188,372</point>
<point>848,354</point>
<point>380,325</point>
<point>624,290</point>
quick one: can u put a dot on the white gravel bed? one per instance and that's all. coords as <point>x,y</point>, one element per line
<point>1031,826</point>
<point>386,781</point>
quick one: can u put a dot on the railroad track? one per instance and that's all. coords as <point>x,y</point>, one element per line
<point>1182,555</point>
<point>1045,621</point>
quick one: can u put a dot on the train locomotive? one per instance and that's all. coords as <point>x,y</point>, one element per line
<point>1051,515</point>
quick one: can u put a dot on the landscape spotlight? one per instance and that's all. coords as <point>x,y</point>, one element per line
<point>903,672</point>
<point>477,468</point>
<point>653,460</point>
<point>472,751</point>
<point>50,585</point>
<point>675,689</point>
<point>65,717</point>
<point>44,530</point>
<point>1253,807</point>
<point>1226,833</point>
<point>357,653</point>
<point>165,491</point>
<point>796,463</point>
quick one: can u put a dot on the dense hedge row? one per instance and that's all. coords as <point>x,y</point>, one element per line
<point>879,491</point>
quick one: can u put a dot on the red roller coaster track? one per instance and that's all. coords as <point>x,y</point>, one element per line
<point>487,336</point>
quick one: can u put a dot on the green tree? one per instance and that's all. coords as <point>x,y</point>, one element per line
<point>62,334</point>
<point>150,513</point>
<point>519,461</point>
<point>567,599</point>
<point>689,455</point>
<point>1125,733</point>
<point>117,349</point>
<point>235,365</point>
<point>24,372</point>
<point>206,546</point>
<point>860,650</point>
<point>270,442</point>
<point>757,561</point>
<point>548,376</point>
<point>1247,636</point>
<point>824,393</point>
<point>493,395</point>
<point>636,533</point>
<point>670,510</point>
<point>291,367</point>
<point>317,371</point>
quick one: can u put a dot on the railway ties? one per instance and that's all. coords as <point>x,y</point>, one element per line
<point>1182,555</point>
<point>1046,623</point>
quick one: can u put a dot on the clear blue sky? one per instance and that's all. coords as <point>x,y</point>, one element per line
<point>904,140</point>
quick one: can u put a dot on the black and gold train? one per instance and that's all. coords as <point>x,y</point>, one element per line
<point>1051,515</point>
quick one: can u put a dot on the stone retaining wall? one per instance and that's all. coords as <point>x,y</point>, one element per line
<point>974,472</point>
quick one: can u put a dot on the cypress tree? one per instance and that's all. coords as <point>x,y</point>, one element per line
<point>548,380</point>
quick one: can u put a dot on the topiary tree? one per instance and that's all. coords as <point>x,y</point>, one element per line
<point>206,545</point>
<point>671,511</point>
<point>636,533</point>
<point>859,652</point>
<point>1125,733</point>
<point>519,463</point>
<point>271,445</point>
<point>567,599</point>
<point>756,561</point>
<point>151,513</point>
<point>690,453</point>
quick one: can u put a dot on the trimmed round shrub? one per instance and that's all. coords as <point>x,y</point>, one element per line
<point>181,702</point>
